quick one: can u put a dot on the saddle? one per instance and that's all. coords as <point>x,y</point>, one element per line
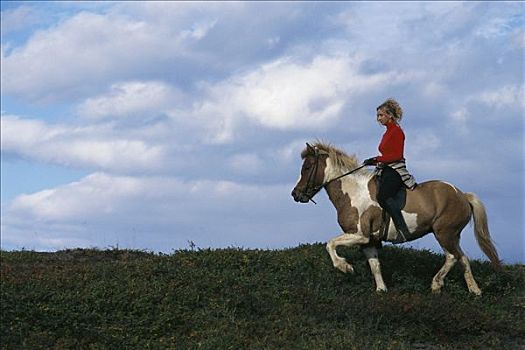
<point>400,201</point>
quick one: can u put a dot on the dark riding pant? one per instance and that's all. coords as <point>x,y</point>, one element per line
<point>389,183</point>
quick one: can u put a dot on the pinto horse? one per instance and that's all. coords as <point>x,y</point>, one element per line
<point>433,206</point>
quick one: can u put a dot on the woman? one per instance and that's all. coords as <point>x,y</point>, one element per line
<point>390,165</point>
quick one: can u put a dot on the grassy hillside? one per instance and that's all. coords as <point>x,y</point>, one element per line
<point>252,299</point>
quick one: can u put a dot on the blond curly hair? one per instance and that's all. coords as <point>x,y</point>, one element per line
<point>392,108</point>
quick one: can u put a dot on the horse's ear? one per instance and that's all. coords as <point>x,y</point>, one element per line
<point>310,148</point>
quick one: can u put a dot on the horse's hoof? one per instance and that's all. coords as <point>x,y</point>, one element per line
<point>381,290</point>
<point>345,268</point>
<point>349,268</point>
<point>436,287</point>
<point>476,292</point>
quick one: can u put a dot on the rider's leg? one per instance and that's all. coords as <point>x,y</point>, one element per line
<point>390,183</point>
<point>397,217</point>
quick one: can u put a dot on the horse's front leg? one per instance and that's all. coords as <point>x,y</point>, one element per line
<point>346,239</point>
<point>375,267</point>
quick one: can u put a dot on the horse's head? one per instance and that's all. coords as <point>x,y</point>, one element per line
<point>312,175</point>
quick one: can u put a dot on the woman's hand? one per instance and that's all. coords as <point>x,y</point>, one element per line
<point>370,161</point>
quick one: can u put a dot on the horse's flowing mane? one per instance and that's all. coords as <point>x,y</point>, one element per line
<point>340,159</point>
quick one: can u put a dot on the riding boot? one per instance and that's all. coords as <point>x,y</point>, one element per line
<point>395,212</point>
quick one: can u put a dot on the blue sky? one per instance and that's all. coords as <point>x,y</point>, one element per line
<point>149,125</point>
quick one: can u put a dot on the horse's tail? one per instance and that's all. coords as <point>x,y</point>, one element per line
<point>481,229</point>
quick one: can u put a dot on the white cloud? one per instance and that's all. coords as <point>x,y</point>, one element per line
<point>391,27</point>
<point>20,133</point>
<point>289,95</point>
<point>290,151</point>
<point>422,144</point>
<point>86,50</point>
<point>78,52</point>
<point>273,42</point>
<point>102,194</point>
<point>178,13</point>
<point>246,163</point>
<point>84,53</point>
<point>199,30</point>
<point>518,39</point>
<point>435,90</point>
<point>459,120</point>
<point>93,147</point>
<point>135,98</point>
<point>17,19</point>
<point>495,27</point>
<point>96,194</point>
<point>506,96</point>
<point>171,210</point>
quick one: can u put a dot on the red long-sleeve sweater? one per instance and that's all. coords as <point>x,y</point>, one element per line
<point>392,144</point>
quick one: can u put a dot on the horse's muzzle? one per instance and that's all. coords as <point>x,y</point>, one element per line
<point>300,196</point>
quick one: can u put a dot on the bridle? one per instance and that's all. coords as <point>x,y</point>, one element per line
<point>311,177</point>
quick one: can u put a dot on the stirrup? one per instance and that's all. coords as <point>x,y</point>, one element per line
<point>385,225</point>
<point>400,233</point>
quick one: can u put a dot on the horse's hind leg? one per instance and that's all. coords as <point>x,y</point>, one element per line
<point>439,279</point>
<point>449,241</point>
<point>469,277</point>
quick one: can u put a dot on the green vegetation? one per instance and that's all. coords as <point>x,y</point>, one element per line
<point>252,299</point>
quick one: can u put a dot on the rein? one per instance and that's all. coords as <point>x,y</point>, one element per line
<point>341,176</point>
<point>318,188</point>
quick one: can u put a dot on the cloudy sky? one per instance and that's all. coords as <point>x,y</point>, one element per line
<point>153,125</point>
